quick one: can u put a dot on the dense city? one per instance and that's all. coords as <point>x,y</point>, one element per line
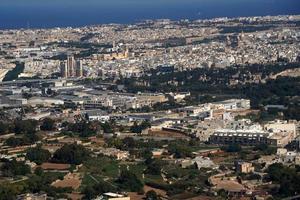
<point>156,110</point>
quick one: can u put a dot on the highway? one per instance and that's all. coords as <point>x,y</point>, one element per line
<point>16,82</point>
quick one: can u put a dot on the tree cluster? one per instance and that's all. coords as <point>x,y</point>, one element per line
<point>138,128</point>
<point>71,154</point>
<point>288,179</point>
<point>130,182</point>
<point>14,168</point>
<point>38,155</point>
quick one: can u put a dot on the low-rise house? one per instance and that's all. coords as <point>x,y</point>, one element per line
<point>97,115</point>
<point>202,110</point>
<point>37,116</point>
<point>141,117</point>
<point>281,151</point>
<point>112,196</point>
<point>156,153</point>
<point>289,157</point>
<point>207,152</point>
<point>232,104</point>
<point>69,140</point>
<point>44,101</point>
<point>199,162</point>
<point>30,196</point>
<point>244,167</point>
<point>268,160</point>
<point>12,101</point>
<point>184,163</point>
<point>178,96</point>
<point>280,139</point>
<point>204,162</point>
<point>283,126</point>
<point>229,184</point>
<point>113,152</point>
<point>32,165</point>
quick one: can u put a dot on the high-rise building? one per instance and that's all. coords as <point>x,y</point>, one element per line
<point>71,66</point>
<point>79,70</point>
<point>63,69</point>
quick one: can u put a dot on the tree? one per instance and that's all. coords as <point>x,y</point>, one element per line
<point>84,128</point>
<point>180,151</point>
<point>128,142</point>
<point>107,127</point>
<point>222,193</point>
<point>71,154</point>
<point>25,126</point>
<point>14,168</point>
<point>146,154</point>
<point>115,142</point>
<point>138,128</point>
<point>151,195</point>
<point>7,192</point>
<point>287,177</point>
<point>129,181</point>
<point>91,191</point>
<point>48,124</point>
<point>265,149</point>
<point>39,171</point>
<point>13,142</point>
<point>42,182</point>
<point>38,155</point>
<point>154,166</point>
<point>24,140</point>
<point>4,128</point>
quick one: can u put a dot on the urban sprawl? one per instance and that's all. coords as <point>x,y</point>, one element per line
<point>160,109</point>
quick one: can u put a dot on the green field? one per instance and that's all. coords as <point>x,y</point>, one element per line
<point>104,166</point>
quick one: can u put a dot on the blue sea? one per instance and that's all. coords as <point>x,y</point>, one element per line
<point>61,13</point>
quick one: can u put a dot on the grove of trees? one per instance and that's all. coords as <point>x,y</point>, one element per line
<point>71,154</point>
<point>38,155</point>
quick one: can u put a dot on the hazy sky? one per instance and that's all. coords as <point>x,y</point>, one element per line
<point>142,3</point>
<point>136,2</point>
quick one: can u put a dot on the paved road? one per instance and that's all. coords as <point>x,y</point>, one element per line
<point>36,80</point>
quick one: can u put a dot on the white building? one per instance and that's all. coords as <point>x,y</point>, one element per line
<point>97,115</point>
<point>282,126</point>
<point>44,101</point>
<point>233,104</point>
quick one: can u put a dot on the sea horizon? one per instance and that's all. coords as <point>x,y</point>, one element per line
<point>140,21</point>
<point>17,14</point>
